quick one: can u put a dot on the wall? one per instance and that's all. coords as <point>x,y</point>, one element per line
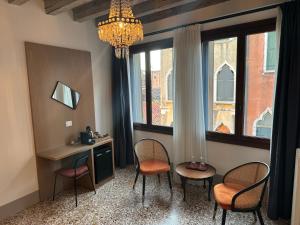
<point>222,156</point>
<point>30,23</point>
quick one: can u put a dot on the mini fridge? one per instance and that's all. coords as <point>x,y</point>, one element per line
<point>103,163</point>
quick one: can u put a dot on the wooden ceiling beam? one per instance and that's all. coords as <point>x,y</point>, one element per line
<point>179,10</point>
<point>95,9</point>
<point>17,2</point>
<point>173,11</point>
<point>91,10</point>
<point>54,7</point>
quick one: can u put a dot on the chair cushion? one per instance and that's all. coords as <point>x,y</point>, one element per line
<point>71,172</point>
<point>224,193</point>
<point>154,166</point>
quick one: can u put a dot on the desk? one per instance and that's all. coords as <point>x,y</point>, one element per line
<point>69,150</point>
<point>50,160</point>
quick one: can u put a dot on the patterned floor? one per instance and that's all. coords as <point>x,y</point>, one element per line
<point>116,203</point>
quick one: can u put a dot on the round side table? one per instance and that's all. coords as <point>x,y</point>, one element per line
<point>190,174</point>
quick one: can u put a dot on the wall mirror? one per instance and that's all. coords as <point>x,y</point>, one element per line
<point>66,95</point>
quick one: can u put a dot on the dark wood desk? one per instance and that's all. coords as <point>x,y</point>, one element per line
<point>50,160</point>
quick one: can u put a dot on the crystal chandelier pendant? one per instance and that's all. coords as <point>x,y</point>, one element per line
<point>121,29</point>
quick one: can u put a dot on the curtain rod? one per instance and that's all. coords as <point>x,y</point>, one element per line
<point>216,19</point>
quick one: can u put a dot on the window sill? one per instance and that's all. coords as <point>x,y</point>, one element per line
<point>153,128</point>
<point>247,141</point>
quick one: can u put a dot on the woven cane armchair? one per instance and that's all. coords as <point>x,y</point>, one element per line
<point>242,190</point>
<point>152,159</point>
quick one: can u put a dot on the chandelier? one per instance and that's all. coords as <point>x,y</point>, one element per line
<point>121,29</point>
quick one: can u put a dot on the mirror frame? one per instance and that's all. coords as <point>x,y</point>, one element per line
<point>57,82</point>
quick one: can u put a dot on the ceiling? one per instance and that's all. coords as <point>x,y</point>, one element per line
<point>146,10</point>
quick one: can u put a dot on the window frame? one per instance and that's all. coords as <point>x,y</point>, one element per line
<point>147,47</point>
<point>240,31</point>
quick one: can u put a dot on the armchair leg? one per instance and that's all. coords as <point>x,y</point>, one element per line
<point>224,217</point>
<point>215,210</point>
<point>54,187</point>
<point>144,181</point>
<point>75,189</point>
<point>260,217</point>
<point>169,178</point>
<point>254,214</point>
<point>136,177</point>
<point>158,176</point>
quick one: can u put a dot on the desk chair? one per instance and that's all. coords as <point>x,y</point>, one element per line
<point>152,159</point>
<point>242,190</point>
<point>80,168</point>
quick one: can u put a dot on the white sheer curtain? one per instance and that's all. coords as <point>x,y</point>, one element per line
<point>189,124</point>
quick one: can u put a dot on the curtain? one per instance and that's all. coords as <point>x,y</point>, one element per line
<point>122,131</point>
<point>286,124</point>
<point>189,126</point>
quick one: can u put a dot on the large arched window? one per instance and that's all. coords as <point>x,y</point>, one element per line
<point>170,82</point>
<point>263,125</point>
<point>225,84</point>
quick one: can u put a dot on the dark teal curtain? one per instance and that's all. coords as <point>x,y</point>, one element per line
<point>122,131</point>
<point>286,124</point>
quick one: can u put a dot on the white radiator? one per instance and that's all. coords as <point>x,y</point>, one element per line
<point>296,195</point>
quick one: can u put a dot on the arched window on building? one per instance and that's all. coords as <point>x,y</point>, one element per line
<point>225,86</point>
<point>263,125</point>
<point>170,91</point>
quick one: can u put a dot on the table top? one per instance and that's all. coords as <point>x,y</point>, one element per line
<point>69,150</point>
<point>181,170</point>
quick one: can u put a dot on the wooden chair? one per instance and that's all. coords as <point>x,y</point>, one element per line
<point>242,190</point>
<point>80,168</point>
<point>152,159</point>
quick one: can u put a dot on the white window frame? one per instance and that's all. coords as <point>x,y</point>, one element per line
<point>215,84</point>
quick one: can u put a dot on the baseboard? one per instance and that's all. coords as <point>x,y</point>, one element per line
<point>18,205</point>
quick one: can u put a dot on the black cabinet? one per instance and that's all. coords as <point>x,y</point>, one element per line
<point>103,163</point>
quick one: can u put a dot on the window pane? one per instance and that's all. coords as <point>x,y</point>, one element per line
<point>259,89</point>
<point>221,67</point>
<point>162,86</point>
<point>138,88</point>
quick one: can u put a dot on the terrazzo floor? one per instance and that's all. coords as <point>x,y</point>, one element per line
<point>116,203</point>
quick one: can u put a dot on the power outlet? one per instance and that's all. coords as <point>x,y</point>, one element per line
<point>69,123</point>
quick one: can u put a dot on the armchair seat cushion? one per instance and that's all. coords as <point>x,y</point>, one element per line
<point>154,166</point>
<point>70,172</point>
<point>224,194</point>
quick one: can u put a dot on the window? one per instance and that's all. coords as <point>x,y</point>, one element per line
<point>235,58</point>
<point>270,51</point>
<point>259,89</point>
<point>222,64</point>
<point>263,125</point>
<point>225,84</point>
<point>152,86</point>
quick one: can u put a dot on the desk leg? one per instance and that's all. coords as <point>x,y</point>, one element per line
<point>210,182</point>
<point>183,181</point>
